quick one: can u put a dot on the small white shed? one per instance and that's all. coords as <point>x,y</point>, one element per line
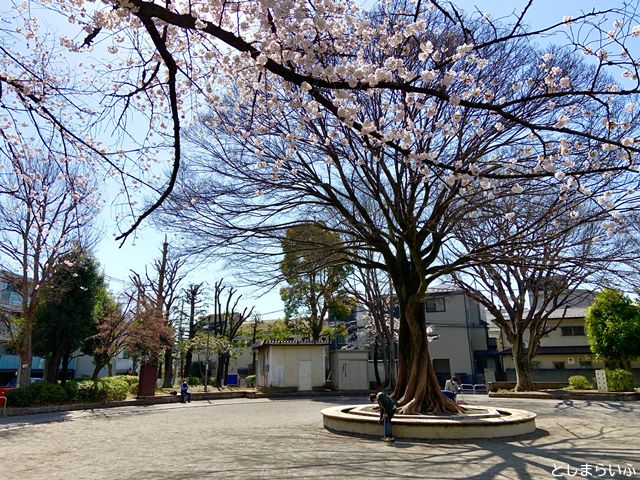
<point>290,365</point>
<point>349,369</point>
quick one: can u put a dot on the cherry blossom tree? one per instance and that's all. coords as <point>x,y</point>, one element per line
<point>46,210</point>
<point>416,91</point>
<point>262,167</point>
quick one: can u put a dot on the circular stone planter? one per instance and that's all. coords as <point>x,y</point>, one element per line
<point>478,422</point>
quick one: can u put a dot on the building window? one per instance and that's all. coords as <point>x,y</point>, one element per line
<point>574,331</point>
<point>435,304</point>
<point>586,364</point>
<point>558,365</point>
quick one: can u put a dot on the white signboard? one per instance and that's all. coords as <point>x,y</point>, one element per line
<point>601,381</point>
<point>489,375</point>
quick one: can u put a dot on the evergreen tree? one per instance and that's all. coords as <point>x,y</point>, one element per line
<point>66,312</point>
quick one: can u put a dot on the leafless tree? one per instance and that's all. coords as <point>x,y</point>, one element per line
<point>372,289</point>
<point>526,287</point>
<point>161,289</point>
<point>193,297</point>
<point>225,322</point>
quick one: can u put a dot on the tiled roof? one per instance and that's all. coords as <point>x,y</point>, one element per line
<point>286,343</point>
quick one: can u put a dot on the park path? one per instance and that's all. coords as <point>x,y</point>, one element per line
<point>282,439</point>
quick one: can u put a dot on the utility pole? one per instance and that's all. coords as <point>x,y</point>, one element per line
<point>206,367</point>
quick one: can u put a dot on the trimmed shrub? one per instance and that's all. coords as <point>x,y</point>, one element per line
<point>71,387</point>
<point>130,379</point>
<point>45,393</point>
<point>102,390</point>
<point>20,397</point>
<point>619,380</point>
<point>251,380</point>
<point>194,381</point>
<point>115,388</point>
<point>89,391</point>
<point>579,382</point>
<point>41,393</point>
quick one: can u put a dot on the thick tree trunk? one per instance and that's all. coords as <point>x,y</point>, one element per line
<point>26,351</point>
<point>522,361</point>
<point>388,361</point>
<point>168,368</point>
<point>188,359</point>
<point>53,365</point>
<point>376,348</point>
<point>110,369</point>
<point>417,389</point>
<point>64,373</point>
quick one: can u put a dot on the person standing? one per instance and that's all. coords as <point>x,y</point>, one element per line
<point>388,409</point>
<point>184,391</point>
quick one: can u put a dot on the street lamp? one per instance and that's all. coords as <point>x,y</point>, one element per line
<point>207,328</point>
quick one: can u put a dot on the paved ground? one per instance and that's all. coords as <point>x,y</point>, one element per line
<point>282,439</point>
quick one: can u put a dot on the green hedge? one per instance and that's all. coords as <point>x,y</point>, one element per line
<point>194,381</point>
<point>41,393</point>
<point>579,382</point>
<point>130,379</point>
<point>251,380</point>
<point>75,391</point>
<point>619,380</point>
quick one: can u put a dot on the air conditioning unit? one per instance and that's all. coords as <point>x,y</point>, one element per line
<point>571,361</point>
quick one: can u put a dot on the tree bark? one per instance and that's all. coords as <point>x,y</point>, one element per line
<point>417,389</point>
<point>96,371</point>
<point>522,362</point>
<point>53,364</point>
<point>26,351</point>
<point>64,373</point>
<point>168,368</point>
<point>376,349</point>
<point>188,360</point>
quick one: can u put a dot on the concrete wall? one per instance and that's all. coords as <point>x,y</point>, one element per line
<point>556,338</point>
<point>563,375</point>
<point>84,366</point>
<point>453,345</point>
<point>571,361</point>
